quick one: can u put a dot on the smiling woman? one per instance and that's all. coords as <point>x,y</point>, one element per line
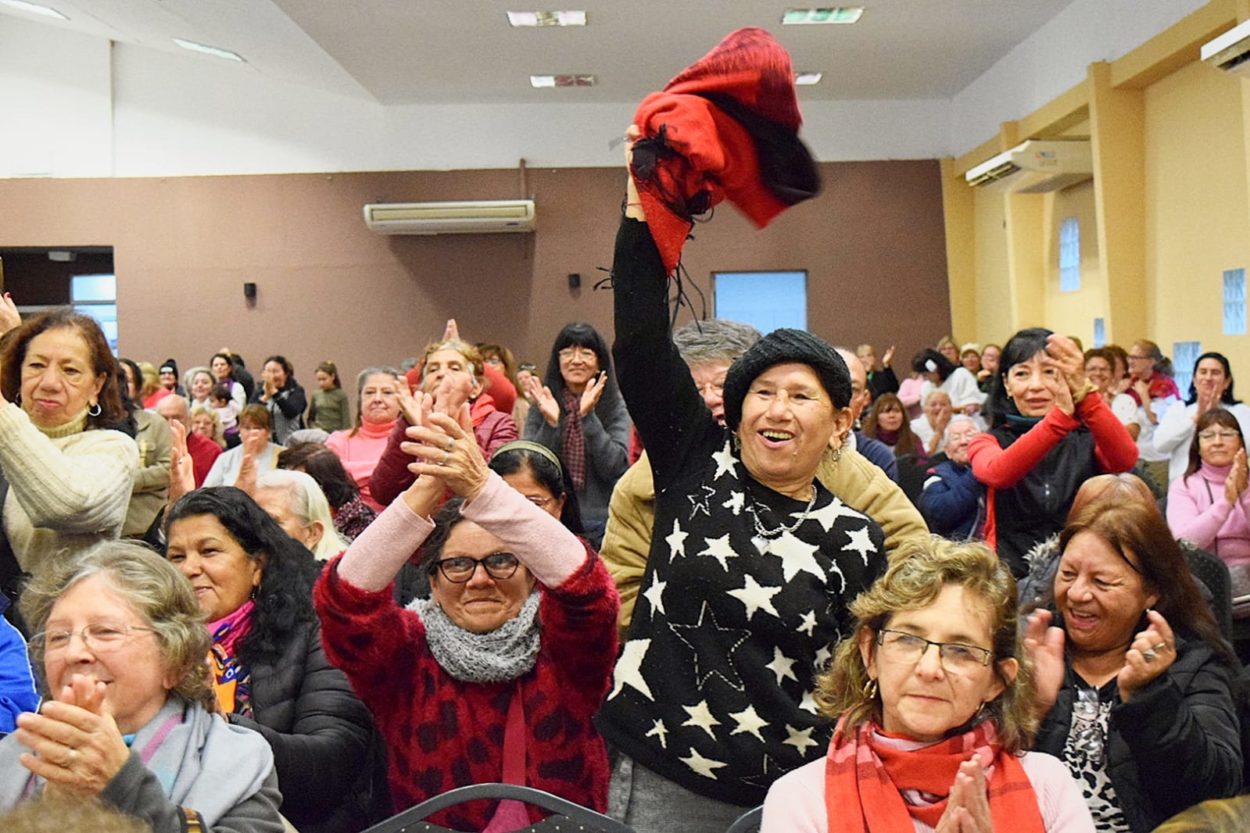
<point>69,482</point>
<point>751,565</point>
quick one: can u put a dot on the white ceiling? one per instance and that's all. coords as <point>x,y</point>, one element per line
<point>440,51</point>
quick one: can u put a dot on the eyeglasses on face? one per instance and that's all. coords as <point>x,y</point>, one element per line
<point>570,353</point>
<point>903,647</point>
<point>1209,435</point>
<point>539,501</point>
<point>101,638</point>
<point>460,568</point>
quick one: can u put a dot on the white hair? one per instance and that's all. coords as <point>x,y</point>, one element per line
<point>308,503</point>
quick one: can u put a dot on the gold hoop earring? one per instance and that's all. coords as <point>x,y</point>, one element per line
<point>870,689</point>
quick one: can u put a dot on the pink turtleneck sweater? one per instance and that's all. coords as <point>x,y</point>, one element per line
<point>1199,511</point>
<point>360,454</point>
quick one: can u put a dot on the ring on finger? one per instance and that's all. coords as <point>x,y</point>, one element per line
<point>1158,647</point>
<point>70,757</point>
<point>1149,655</point>
<point>451,443</point>
<point>443,461</point>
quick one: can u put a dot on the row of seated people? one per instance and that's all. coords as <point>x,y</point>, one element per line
<point>745,594</point>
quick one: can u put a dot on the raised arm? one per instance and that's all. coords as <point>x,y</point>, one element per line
<point>1001,467</point>
<point>653,378</point>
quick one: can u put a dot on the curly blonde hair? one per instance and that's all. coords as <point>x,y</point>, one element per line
<point>913,581</point>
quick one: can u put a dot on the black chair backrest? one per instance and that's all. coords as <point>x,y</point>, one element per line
<point>748,822</point>
<point>1211,570</point>
<point>563,812</point>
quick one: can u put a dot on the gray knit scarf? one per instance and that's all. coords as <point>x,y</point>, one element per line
<point>504,654</point>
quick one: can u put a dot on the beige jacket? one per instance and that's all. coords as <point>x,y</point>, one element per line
<point>631,514</point>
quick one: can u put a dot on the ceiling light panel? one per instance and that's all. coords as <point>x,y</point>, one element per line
<point>34,8</point>
<point>567,80</point>
<point>807,79</point>
<point>204,49</point>
<point>826,15</point>
<point>533,19</point>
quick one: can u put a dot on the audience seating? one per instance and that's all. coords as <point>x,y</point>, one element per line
<point>565,815</point>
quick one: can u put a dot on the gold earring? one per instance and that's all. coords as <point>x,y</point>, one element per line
<point>870,689</point>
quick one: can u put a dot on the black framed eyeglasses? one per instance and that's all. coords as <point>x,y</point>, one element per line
<point>460,568</point>
<point>900,646</point>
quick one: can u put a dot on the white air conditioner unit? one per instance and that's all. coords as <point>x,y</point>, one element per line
<point>479,217</point>
<point>1230,51</point>
<point>1037,166</point>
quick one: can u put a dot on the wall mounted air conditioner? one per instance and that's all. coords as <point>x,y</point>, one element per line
<point>478,217</point>
<point>1230,51</point>
<point>1037,166</point>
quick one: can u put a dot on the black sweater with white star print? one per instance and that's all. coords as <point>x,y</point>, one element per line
<point>713,688</point>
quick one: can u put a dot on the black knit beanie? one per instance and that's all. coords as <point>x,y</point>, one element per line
<point>779,347</point>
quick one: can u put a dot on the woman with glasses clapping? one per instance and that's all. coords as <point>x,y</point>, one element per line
<point>128,719</point>
<point>494,677</point>
<point>1209,505</point>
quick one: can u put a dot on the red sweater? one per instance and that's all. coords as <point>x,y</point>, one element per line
<point>443,733</point>
<point>1002,468</point>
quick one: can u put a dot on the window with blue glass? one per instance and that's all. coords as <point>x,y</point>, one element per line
<point>1184,355</point>
<point>1100,332</point>
<point>96,296</point>
<point>765,300</point>
<point>1234,302</point>
<point>1070,255</point>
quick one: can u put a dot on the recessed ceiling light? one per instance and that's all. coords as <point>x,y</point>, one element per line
<point>570,18</point>
<point>215,51</point>
<point>807,79</point>
<point>34,8</point>
<point>568,80</point>
<point>835,14</point>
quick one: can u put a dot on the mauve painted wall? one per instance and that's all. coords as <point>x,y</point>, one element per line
<point>872,244</point>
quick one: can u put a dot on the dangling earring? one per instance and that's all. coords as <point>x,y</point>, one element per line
<point>95,410</point>
<point>837,454</point>
<point>870,689</point>
<point>737,444</point>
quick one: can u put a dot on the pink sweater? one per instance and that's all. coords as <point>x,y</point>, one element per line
<point>1199,511</point>
<point>796,801</point>
<point>360,454</point>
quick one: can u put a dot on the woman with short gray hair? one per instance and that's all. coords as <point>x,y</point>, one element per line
<point>120,647</point>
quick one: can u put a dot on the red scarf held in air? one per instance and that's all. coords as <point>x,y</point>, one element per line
<point>725,127</point>
<point>866,776</point>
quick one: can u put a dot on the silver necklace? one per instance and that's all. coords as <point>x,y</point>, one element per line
<point>765,532</point>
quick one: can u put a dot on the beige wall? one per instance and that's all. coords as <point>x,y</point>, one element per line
<point>1167,212</point>
<point>872,242</point>
<point>1196,207</point>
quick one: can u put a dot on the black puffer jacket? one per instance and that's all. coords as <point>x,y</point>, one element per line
<point>324,746</point>
<point>1175,744</point>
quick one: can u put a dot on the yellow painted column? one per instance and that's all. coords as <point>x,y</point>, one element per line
<point>960,227</point>
<point>1117,119</point>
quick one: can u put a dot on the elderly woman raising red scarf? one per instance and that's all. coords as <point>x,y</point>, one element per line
<point>934,705</point>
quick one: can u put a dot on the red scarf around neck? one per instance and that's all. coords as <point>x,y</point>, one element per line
<point>866,776</point>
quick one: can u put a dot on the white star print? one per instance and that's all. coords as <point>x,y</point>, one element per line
<point>703,766</point>
<point>677,540</point>
<point>829,514</point>
<point>735,503</point>
<point>808,704</point>
<point>655,595</point>
<point>796,556</point>
<point>861,542</point>
<point>659,730</point>
<point>756,597</point>
<point>823,655</point>
<point>781,666</point>
<point>749,722</point>
<point>700,503</point>
<point>724,462</point>
<point>719,549</point>
<point>800,740</point>
<point>809,623</point>
<point>701,716</point>
<point>629,669</point>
